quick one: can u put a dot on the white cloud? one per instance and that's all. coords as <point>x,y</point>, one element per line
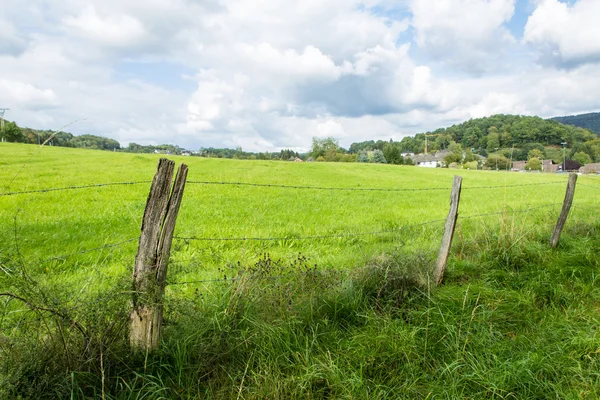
<point>563,34</point>
<point>25,94</point>
<point>10,42</point>
<point>267,74</point>
<point>469,34</point>
<point>110,30</point>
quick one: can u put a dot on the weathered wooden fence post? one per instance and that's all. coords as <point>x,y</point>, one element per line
<point>560,224</point>
<point>442,259</point>
<point>152,259</point>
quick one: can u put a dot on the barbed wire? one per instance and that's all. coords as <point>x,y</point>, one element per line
<point>591,186</point>
<point>107,246</point>
<point>72,188</point>
<point>511,186</point>
<point>509,211</point>
<point>79,187</point>
<point>311,237</point>
<point>281,186</point>
<point>250,276</point>
<point>584,207</point>
<point>271,185</point>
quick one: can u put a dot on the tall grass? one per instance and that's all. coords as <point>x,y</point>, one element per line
<point>329,318</point>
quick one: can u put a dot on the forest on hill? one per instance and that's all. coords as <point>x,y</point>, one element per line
<point>513,135</point>
<point>14,133</point>
<point>589,121</point>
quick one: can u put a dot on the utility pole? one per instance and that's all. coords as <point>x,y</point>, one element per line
<point>496,149</point>
<point>2,111</point>
<point>564,155</point>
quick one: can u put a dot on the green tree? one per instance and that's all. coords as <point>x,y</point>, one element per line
<point>443,141</point>
<point>362,157</point>
<point>392,154</point>
<point>453,158</point>
<point>12,133</point>
<point>320,146</point>
<point>534,164</point>
<point>493,139</point>
<point>378,157</point>
<point>582,158</point>
<point>535,153</point>
<point>497,161</point>
<point>470,165</point>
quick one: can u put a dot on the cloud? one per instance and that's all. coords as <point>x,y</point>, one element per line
<point>565,35</point>
<point>120,30</point>
<point>10,42</point>
<point>25,94</point>
<point>467,34</point>
<point>266,74</point>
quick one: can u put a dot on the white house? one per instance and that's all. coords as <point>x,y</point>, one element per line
<point>427,164</point>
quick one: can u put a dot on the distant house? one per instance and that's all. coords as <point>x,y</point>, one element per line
<point>590,168</point>
<point>297,159</point>
<point>186,153</point>
<point>432,160</point>
<point>426,160</point>
<point>549,166</point>
<point>568,165</point>
<point>518,166</point>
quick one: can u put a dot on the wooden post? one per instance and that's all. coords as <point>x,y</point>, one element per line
<point>152,259</point>
<point>442,259</point>
<point>560,224</point>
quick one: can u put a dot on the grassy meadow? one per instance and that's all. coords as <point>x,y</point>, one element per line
<point>336,305</point>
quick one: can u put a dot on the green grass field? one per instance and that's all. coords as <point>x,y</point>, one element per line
<point>513,319</point>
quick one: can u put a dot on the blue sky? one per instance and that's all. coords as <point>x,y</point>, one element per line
<point>267,74</point>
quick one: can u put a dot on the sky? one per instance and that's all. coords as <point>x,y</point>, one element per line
<point>271,74</point>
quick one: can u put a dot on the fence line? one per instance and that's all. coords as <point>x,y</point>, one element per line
<point>96,185</point>
<point>338,235</point>
<point>73,188</point>
<point>511,186</point>
<point>316,187</point>
<point>591,186</point>
<point>311,237</point>
<point>107,246</point>
<point>364,189</point>
<point>511,211</point>
<point>237,278</point>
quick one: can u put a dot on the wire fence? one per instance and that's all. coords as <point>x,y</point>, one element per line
<point>278,186</point>
<point>196,238</point>
<point>85,251</point>
<point>78,187</point>
<point>269,185</point>
<point>590,186</point>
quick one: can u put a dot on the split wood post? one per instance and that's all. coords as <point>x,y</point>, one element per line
<point>152,259</point>
<point>560,224</point>
<point>442,259</point>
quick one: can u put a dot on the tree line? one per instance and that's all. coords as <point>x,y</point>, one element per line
<point>589,121</point>
<point>13,133</point>
<point>500,137</point>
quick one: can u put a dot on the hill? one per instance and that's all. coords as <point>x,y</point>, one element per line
<point>501,133</point>
<point>589,121</point>
<point>16,134</point>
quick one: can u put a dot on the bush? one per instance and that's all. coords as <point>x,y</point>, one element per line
<point>378,157</point>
